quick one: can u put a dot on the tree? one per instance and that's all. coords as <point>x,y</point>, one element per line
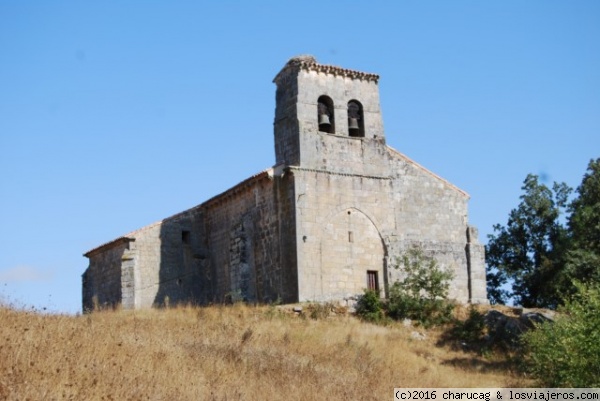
<point>529,251</point>
<point>566,353</point>
<point>583,257</point>
<point>495,282</point>
<point>540,255</point>
<point>423,293</point>
<point>369,306</point>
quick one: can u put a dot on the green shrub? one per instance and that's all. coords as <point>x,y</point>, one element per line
<point>468,334</point>
<point>566,353</point>
<point>369,306</point>
<point>422,294</point>
<point>472,329</point>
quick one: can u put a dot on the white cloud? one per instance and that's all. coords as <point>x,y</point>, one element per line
<point>24,273</point>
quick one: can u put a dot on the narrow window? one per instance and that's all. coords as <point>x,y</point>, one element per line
<point>325,116</point>
<point>350,236</point>
<point>356,125</point>
<point>372,282</point>
<point>185,237</point>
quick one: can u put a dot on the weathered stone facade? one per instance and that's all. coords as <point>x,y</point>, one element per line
<point>328,220</point>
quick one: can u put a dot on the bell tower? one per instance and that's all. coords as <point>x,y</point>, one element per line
<point>326,116</point>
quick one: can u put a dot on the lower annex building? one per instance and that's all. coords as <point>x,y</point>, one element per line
<point>328,220</point>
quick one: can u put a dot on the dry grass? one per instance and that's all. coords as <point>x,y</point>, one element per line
<point>235,352</point>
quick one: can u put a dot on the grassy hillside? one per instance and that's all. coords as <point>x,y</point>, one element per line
<point>234,352</point>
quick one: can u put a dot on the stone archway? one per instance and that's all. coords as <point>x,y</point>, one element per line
<point>352,252</point>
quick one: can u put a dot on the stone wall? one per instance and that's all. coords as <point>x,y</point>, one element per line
<point>341,89</point>
<point>147,248</point>
<point>239,245</point>
<point>247,233</point>
<point>476,267</point>
<point>430,213</point>
<point>182,267</point>
<point>286,139</point>
<point>339,222</point>
<point>103,281</point>
<point>349,224</point>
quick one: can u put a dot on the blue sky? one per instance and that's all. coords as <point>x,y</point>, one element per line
<point>116,114</point>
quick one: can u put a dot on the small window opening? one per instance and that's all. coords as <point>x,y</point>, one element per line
<point>325,116</point>
<point>185,237</point>
<point>350,236</point>
<point>372,281</point>
<point>356,126</point>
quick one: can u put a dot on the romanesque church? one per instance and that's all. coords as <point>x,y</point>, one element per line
<point>328,220</point>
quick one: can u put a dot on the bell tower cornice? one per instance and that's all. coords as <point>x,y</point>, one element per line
<point>309,63</point>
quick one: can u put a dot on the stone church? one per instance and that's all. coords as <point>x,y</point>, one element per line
<point>328,220</point>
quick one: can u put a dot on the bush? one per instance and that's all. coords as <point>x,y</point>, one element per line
<point>469,334</point>
<point>422,294</point>
<point>369,307</point>
<point>566,353</point>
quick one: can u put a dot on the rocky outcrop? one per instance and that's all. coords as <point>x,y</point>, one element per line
<point>506,330</point>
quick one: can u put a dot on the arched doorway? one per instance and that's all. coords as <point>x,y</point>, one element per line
<point>352,256</point>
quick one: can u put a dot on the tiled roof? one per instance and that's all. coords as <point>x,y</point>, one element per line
<point>309,63</point>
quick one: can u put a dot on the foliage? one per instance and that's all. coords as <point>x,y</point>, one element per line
<point>422,294</point>
<point>472,329</point>
<point>369,307</point>
<point>470,333</point>
<point>584,221</point>
<point>495,281</point>
<point>528,251</point>
<point>566,353</point>
<point>537,252</point>
<point>583,257</point>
